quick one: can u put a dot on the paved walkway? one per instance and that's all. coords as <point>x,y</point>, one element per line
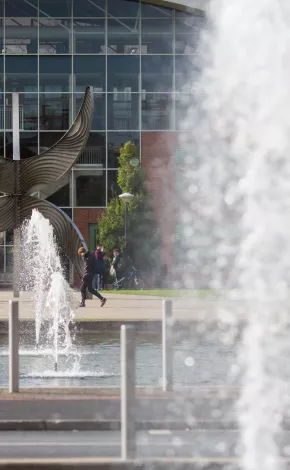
<point>130,307</point>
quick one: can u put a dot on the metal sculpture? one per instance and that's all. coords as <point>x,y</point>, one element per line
<point>20,178</point>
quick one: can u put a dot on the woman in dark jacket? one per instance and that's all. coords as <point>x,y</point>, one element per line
<point>87,279</point>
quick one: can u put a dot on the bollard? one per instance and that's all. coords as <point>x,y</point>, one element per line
<point>167,352</point>
<point>13,346</point>
<point>128,366</point>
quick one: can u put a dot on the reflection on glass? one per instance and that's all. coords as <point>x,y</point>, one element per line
<point>186,73</point>
<point>116,140</point>
<point>157,73</point>
<point>21,35</point>
<point>54,112</point>
<point>28,144</point>
<point>21,73</point>
<point>182,103</point>
<point>89,9</point>
<point>47,139</point>
<point>89,70</point>
<point>2,235</point>
<point>89,36</point>
<point>155,11</point>
<point>28,112</point>
<point>123,36</point>
<point>68,211</point>
<point>157,36</point>
<point>99,115</point>
<point>123,111</point>
<point>54,36</point>
<point>19,8</point>
<point>9,259</point>
<point>124,8</point>
<point>55,73</point>
<point>123,73</point>
<point>94,152</point>
<point>157,111</point>
<point>2,258</point>
<point>90,188</point>
<point>9,237</point>
<point>55,8</point>
<point>113,190</point>
<point>61,196</point>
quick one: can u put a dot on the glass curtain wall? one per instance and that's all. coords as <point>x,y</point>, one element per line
<point>136,56</point>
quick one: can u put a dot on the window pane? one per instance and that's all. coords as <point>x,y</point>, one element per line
<point>156,111</point>
<point>123,37</point>
<point>9,237</point>
<point>186,73</point>
<point>94,152</point>
<point>21,35</point>
<point>28,111</point>
<point>89,36</point>
<point>55,8</point>
<point>28,145</point>
<point>89,9</point>
<point>90,188</point>
<point>99,116</point>
<point>1,118</point>
<point>55,73</point>
<point>19,8</point>
<point>123,73</point>
<point>21,73</point>
<point>187,34</point>
<point>123,111</point>
<point>9,260</point>
<point>67,211</point>
<point>157,36</point>
<point>54,36</point>
<point>155,11</point>
<point>2,234</point>
<point>123,8</point>
<point>54,112</point>
<point>2,259</point>
<point>183,102</point>
<point>89,70</point>
<point>59,192</point>
<point>2,8</point>
<point>116,140</point>
<point>157,73</point>
<point>48,139</point>
<point>113,190</point>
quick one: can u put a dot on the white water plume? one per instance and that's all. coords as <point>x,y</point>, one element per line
<point>42,274</point>
<point>236,221</point>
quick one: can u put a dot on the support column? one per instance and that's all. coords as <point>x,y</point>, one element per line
<point>13,346</point>
<point>16,156</point>
<point>167,349</point>
<point>128,406</point>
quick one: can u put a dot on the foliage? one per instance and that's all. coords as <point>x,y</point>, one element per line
<point>142,236</point>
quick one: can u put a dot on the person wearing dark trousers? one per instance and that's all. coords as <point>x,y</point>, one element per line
<point>88,277</point>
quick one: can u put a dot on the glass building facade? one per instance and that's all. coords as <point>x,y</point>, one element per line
<point>136,57</point>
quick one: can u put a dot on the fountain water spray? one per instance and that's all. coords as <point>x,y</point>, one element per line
<point>42,274</point>
<point>238,204</point>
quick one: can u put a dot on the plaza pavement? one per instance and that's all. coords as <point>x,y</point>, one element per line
<point>122,307</point>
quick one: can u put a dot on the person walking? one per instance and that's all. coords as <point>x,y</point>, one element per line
<point>88,277</point>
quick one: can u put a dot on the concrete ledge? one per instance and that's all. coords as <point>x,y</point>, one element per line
<point>112,425</point>
<point>118,464</point>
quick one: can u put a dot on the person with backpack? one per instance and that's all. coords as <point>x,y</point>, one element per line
<point>98,266</point>
<point>87,279</point>
<point>118,264</point>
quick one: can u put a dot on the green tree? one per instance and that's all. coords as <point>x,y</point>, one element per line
<point>142,233</point>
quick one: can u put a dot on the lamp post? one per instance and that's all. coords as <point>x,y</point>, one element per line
<point>126,197</point>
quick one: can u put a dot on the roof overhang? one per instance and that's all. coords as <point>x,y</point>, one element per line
<point>188,5</point>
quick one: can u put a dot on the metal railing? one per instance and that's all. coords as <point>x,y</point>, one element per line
<point>92,156</point>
